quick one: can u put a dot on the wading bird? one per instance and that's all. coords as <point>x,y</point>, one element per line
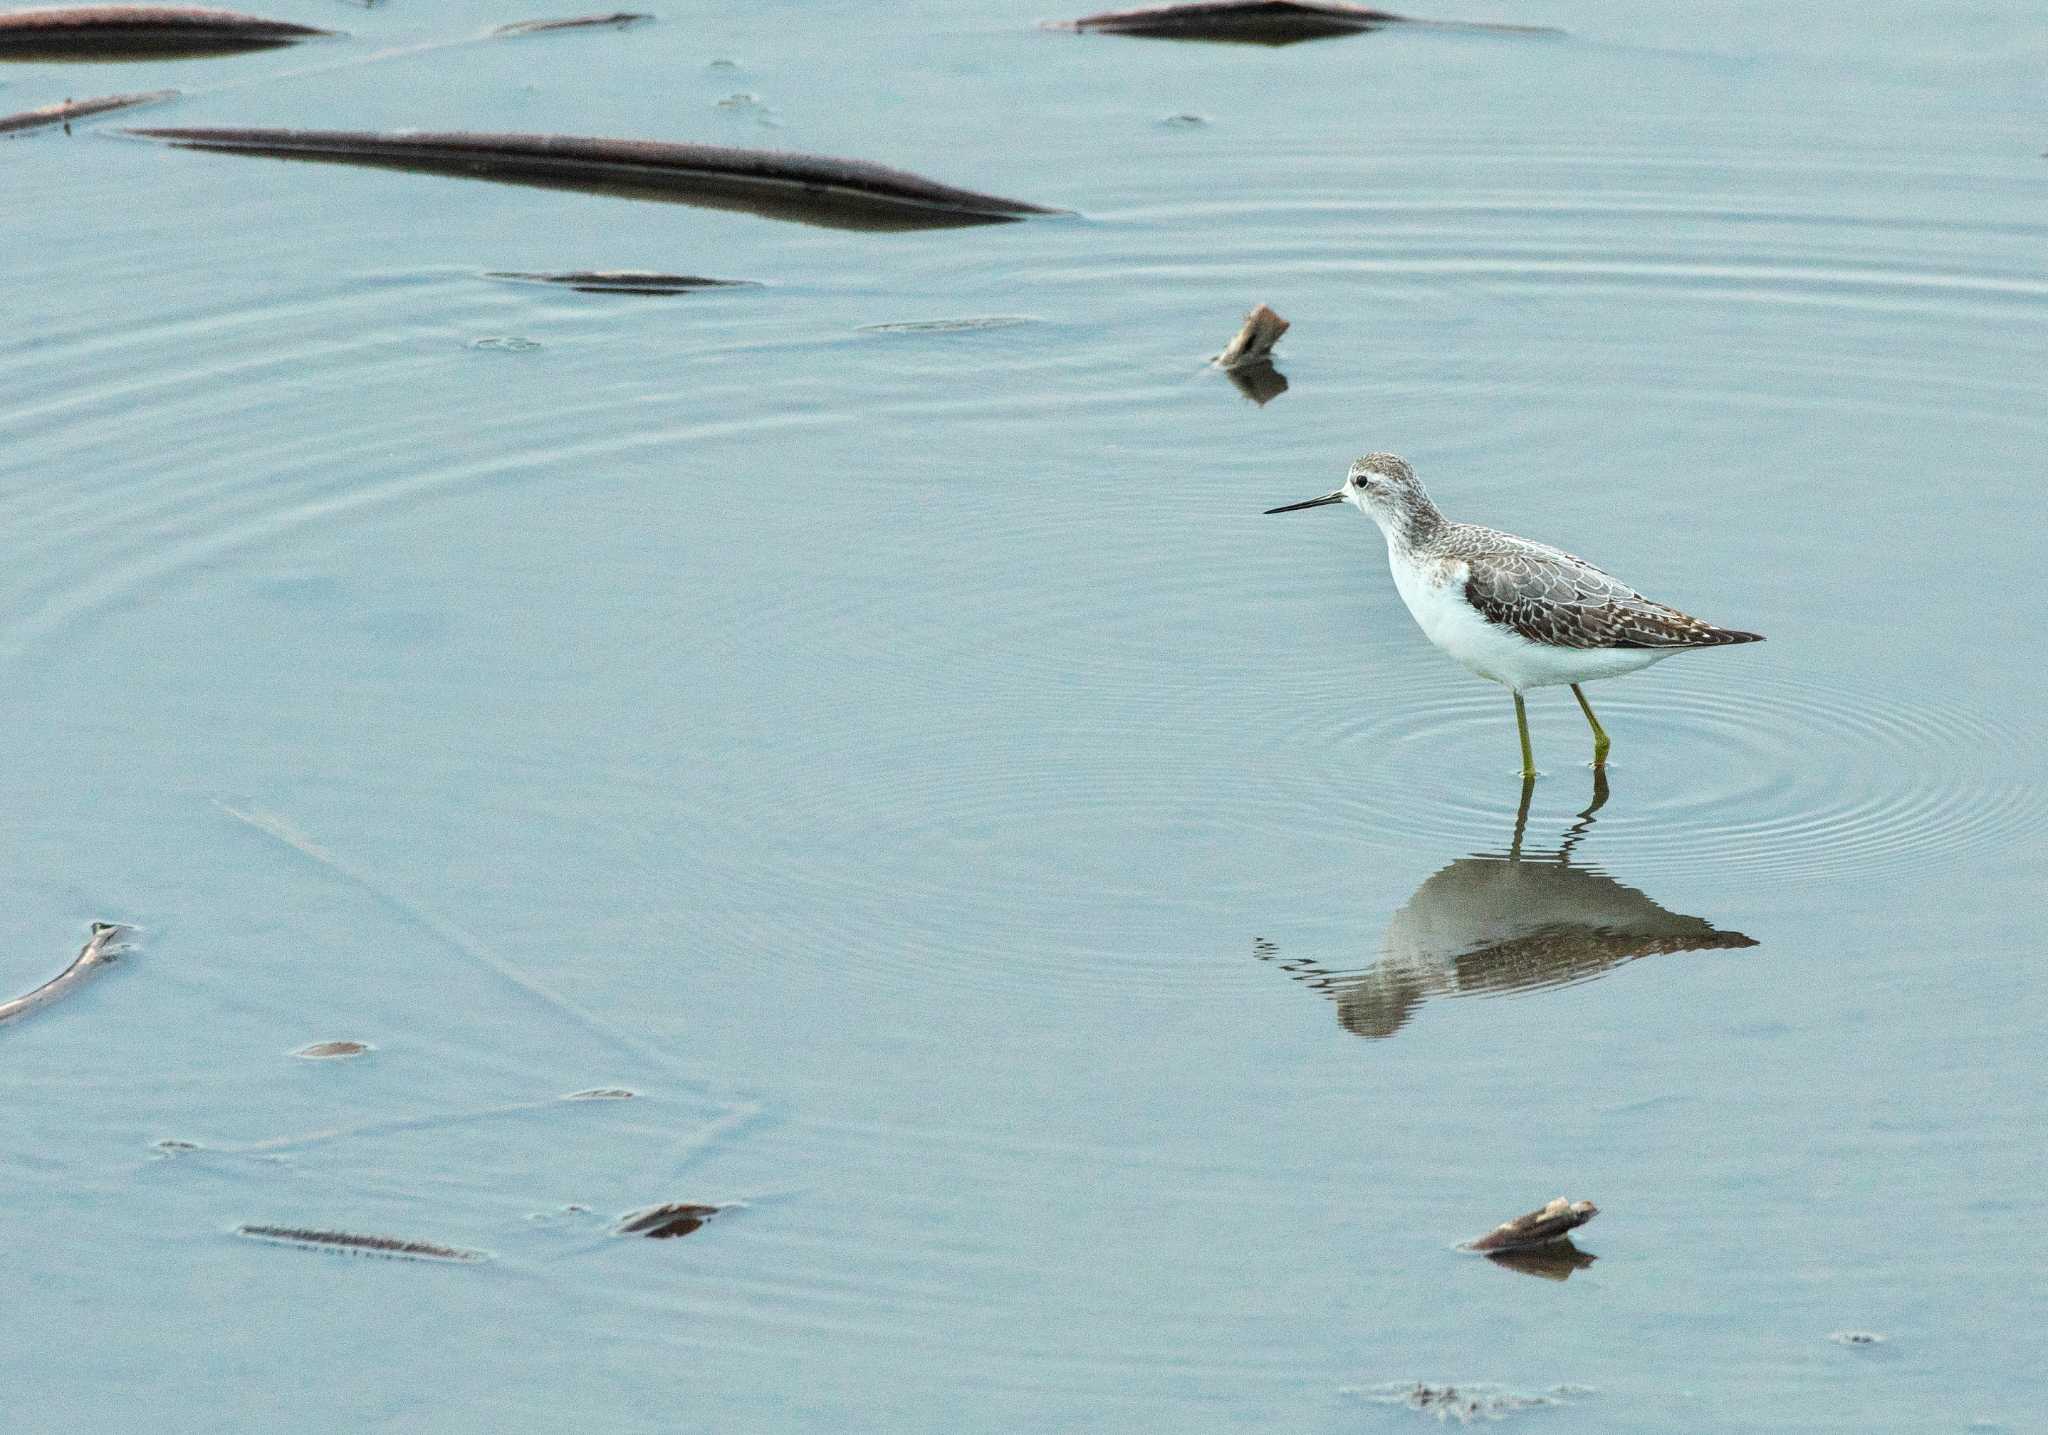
<point>1522,613</point>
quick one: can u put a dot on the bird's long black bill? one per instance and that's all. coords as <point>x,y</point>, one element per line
<point>1337,497</point>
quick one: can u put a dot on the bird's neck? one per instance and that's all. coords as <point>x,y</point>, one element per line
<point>1410,525</point>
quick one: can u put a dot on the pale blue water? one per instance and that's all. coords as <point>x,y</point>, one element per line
<point>910,761</point>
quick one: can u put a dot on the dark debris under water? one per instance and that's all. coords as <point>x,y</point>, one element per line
<point>773,184</point>
<point>100,33</point>
<point>352,1243</point>
<point>1263,22</point>
<point>618,281</point>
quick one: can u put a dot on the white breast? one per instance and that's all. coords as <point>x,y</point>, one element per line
<point>1434,590</point>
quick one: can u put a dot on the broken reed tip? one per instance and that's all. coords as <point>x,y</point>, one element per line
<point>665,1222</point>
<point>395,1247</point>
<point>1254,342</point>
<point>1538,1227</point>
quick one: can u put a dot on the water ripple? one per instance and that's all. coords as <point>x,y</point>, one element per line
<point>1787,778</point>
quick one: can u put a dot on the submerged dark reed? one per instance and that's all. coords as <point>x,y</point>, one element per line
<point>392,1247</point>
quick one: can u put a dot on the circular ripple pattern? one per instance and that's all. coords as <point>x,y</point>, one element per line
<point>1756,771</point>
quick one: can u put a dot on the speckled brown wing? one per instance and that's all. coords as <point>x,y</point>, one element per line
<point>1551,597</point>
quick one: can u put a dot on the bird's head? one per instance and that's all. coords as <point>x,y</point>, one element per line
<point>1381,484</point>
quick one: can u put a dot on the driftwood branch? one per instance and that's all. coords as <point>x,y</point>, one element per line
<point>102,947</point>
<point>1539,1227</point>
<point>1254,342</point>
<point>619,20</point>
<point>69,110</point>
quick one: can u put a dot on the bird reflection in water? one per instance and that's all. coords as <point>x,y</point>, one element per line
<point>1495,923</point>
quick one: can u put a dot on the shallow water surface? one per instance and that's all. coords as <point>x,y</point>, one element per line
<point>861,725</point>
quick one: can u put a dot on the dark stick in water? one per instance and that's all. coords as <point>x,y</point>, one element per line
<point>621,281</point>
<point>663,1223</point>
<point>101,948</point>
<point>66,111</point>
<point>391,1246</point>
<point>1263,22</point>
<point>81,49</point>
<point>812,189</point>
<point>619,20</point>
<point>129,32</point>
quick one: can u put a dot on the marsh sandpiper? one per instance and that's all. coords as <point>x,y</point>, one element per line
<point>1521,613</point>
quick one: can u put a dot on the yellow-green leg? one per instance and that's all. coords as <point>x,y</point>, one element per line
<point>1600,742</point>
<point>1522,724</point>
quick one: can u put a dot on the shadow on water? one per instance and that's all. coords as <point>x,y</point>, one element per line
<point>1553,1261</point>
<point>1260,382</point>
<point>1496,923</point>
